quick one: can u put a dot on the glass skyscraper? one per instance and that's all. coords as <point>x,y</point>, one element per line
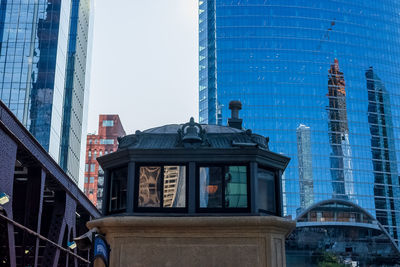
<point>43,51</point>
<point>305,166</point>
<point>322,80</point>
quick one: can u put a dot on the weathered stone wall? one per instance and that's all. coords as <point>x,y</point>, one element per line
<point>196,241</point>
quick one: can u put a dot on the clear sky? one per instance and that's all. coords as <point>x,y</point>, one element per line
<point>144,62</point>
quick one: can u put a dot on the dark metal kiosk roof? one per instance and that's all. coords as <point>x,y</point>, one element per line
<point>214,140</point>
<point>197,167</point>
<point>212,136</point>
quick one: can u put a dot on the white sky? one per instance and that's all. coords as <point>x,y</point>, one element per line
<point>144,62</point>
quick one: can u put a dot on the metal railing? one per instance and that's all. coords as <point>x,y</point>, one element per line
<point>43,238</point>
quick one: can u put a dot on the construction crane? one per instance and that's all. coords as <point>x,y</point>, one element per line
<point>326,35</point>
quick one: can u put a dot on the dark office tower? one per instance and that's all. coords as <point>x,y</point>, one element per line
<point>341,165</point>
<point>43,52</point>
<point>383,150</point>
<point>305,166</point>
<point>274,56</point>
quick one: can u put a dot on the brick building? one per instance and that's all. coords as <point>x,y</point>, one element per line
<point>110,128</point>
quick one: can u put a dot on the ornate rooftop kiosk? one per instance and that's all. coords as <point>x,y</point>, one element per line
<point>194,195</point>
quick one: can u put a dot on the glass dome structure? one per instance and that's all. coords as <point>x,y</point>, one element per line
<point>341,232</point>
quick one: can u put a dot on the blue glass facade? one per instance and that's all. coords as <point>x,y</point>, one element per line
<point>321,79</point>
<point>39,81</point>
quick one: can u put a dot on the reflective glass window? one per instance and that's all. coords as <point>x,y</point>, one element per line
<point>211,187</point>
<point>223,187</point>
<point>236,187</point>
<point>321,80</point>
<point>100,181</point>
<point>162,187</point>
<point>149,187</point>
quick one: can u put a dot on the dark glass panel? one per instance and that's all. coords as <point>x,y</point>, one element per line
<point>266,191</point>
<point>210,187</point>
<point>236,187</point>
<point>118,189</point>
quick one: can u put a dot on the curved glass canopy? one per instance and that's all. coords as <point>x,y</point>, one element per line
<point>341,232</point>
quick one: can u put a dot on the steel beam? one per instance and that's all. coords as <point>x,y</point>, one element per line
<point>39,218</point>
<point>8,154</point>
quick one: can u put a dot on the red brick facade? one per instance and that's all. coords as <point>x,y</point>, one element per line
<point>110,128</point>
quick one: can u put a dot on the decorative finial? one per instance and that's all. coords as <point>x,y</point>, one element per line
<point>235,121</point>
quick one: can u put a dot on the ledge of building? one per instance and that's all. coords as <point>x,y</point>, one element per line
<point>239,223</point>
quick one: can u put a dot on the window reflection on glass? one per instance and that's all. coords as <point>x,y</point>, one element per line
<point>174,187</point>
<point>266,191</point>
<point>210,187</point>
<point>236,187</point>
<point>170,179</point>
<point>149,187</point>
<point>100,181</point>
<point>118,189</point>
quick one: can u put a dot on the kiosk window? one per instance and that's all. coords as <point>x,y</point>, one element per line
<point>223,187</point>
<point>118,183</point>
<point>162,187</point>
<point>266,191</point>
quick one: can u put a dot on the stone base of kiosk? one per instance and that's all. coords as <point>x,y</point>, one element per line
<point>195,241</point>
